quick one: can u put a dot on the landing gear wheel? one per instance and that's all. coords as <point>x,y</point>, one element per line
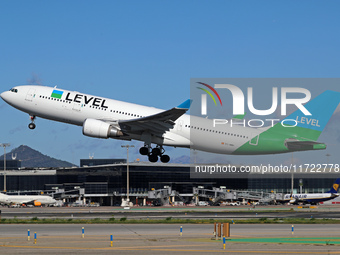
<point>157,151</point>
<point>153,158</point>
<point>144,151</point>
<point>165,158</point>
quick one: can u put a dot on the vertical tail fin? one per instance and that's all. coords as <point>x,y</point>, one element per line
<point>335,187</point>
<point>310,127</point>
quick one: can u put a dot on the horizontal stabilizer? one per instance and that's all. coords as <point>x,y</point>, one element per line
<point>294,145</point>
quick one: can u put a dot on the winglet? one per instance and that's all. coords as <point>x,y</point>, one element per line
<point>185,105</point>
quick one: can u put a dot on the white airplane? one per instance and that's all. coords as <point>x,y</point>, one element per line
<point>313,198</point>
<point>107,118</point>
<point>36,200</point>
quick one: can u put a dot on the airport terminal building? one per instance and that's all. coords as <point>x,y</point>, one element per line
<point>105,181</point>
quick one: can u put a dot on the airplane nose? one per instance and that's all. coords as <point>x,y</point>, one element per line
<point>4,95</point>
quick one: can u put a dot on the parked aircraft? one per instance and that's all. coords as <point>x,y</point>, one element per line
<point>313,198</point>
<point>107,118</point>
<point>36,200</point>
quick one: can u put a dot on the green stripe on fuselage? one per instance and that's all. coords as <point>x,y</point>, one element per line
<point>55,95</point>
<point>272,141</point>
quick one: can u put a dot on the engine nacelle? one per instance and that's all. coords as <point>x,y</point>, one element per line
<point>36,203</point>
<point>99,129</point>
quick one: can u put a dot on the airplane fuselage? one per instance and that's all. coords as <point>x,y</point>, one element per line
<point>74,108</point>
<point>26,199</point>
<point>309,197</point>
<point>108,118</point>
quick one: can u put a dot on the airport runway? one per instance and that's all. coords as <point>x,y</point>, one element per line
<point>165,239</point>
<point>241,212</point>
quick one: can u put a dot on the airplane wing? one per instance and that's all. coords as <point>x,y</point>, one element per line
<point>292,200</point>
<point>158,123</point>
<point>26,201</point>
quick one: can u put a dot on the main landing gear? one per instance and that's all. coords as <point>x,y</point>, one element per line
<point>32,125</point>
<point>154,153</point>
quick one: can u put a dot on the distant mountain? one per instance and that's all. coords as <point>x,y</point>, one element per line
<point>181,160</point>
<point>32,158</point>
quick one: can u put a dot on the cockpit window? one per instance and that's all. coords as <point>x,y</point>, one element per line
<point>14,90</point>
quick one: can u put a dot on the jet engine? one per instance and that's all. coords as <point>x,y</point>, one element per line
<point>36,203</point>
<point>100,129</point>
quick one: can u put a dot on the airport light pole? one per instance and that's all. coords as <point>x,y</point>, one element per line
<point>328,155</point>
<point>5,145</point>
<point>292,178</point>
<point>127,172</point>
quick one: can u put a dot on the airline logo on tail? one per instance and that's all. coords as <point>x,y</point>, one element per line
<point>304,120</point>
<point>335,187</point>
<point>322,108</point>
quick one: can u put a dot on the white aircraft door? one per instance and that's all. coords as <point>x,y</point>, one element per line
<point>180,125</point>
<point>30,95</point>
<point>77,107</point>
<point>254,140</point>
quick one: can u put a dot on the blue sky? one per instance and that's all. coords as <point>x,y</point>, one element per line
<point>146,52</point>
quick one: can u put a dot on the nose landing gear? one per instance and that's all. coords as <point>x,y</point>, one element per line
<point>32,125</point>
<point>154,153</point>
